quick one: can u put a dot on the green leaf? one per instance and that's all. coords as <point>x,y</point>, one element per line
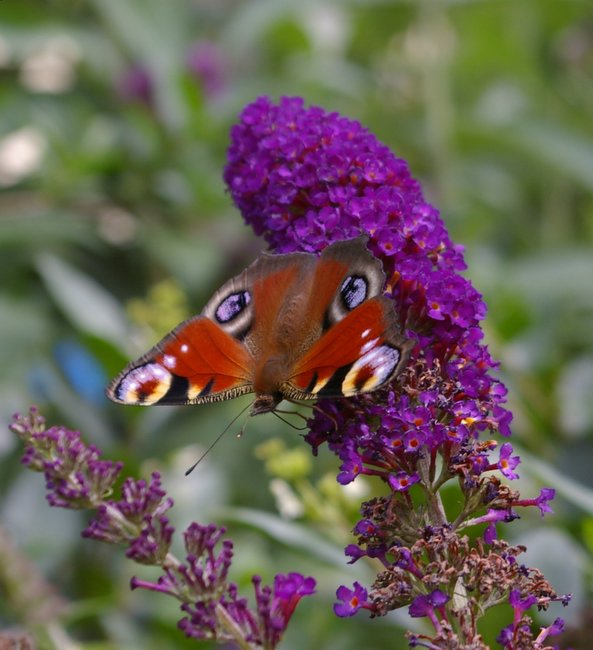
<point>571,154</point>
<point>289,533</point>
<point>573,491</point>
<point>562,276</point>
<point>84,302</point>
<point>43,229</point>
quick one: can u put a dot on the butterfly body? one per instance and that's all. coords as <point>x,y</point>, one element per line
<point>293,326</point>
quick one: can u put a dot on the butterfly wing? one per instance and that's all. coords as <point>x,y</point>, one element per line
<point>292,325</point>
<point>197,362</point>
<point>359,353</point>
<point>213,356</point>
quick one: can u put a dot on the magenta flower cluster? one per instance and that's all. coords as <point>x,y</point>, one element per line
<point>76,477</point>
<point>304,178</point>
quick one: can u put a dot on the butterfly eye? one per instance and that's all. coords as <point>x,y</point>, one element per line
<point>353,291</point>
<point>232,306</point>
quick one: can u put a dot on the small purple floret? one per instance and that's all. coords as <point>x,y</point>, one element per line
<point>425,605</point>
<point>351,600</point>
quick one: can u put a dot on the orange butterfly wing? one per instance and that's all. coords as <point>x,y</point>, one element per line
<point>293,326</point>
<point>197,362</point>
<point>358,354</point>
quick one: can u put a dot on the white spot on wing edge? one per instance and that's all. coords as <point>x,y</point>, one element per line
<point>169,361</point>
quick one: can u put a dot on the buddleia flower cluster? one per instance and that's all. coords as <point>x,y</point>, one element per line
<point>77,477</point>
<point>304,178</point>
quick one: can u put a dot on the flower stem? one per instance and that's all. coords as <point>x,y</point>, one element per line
<point>228,625</point>
<point>436,511</point>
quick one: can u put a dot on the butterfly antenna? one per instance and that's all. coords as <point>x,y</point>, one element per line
<point>313,407</point>
<point>216,440</point>
<point>302,404</point>
<point>290,424</point>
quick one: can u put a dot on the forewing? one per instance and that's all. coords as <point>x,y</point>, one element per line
<point>197,362</point>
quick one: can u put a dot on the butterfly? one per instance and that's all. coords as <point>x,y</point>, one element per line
<point>293,326</point>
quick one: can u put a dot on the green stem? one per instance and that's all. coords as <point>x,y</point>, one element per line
<point>436,511</point>
<point>227,624</point>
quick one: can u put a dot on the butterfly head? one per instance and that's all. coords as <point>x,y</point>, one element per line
<point>265,404</point>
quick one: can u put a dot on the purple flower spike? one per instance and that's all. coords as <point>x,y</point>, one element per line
<point>212,608</point>
<point>75,475</point>
<point>304,178</point>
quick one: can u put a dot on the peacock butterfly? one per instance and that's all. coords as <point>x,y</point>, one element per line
<point>292,326</point>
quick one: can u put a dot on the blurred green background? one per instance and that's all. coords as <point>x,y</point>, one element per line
<point>115,225</point>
